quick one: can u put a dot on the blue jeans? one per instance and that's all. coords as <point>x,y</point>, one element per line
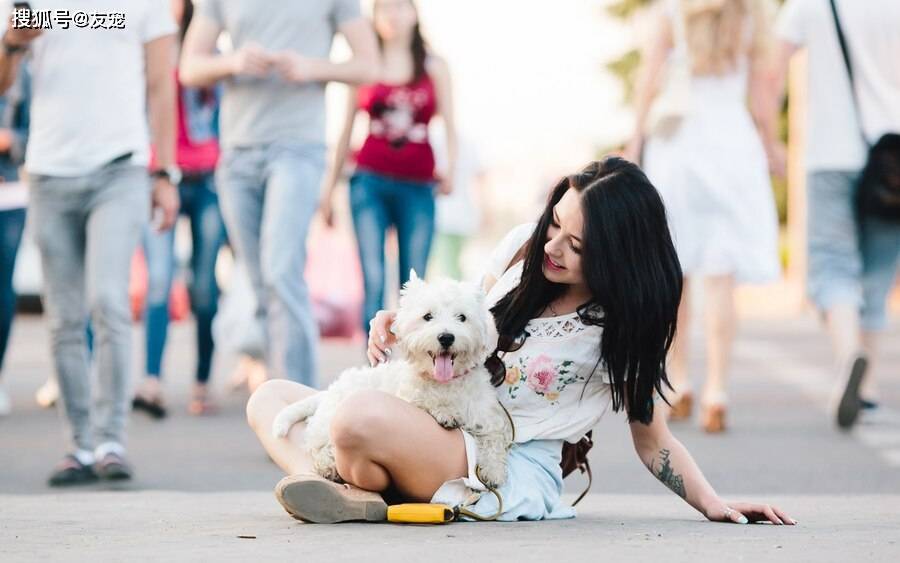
<point>200,204</point>
<point>377,203</point>
<point>850,262</point>
<point>269,194</point>
<point>12,223</point>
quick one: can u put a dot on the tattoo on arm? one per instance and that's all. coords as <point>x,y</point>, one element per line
<point>666,474</point>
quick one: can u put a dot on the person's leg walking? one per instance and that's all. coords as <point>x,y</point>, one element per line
<point>835,264</point>
<point>294,175</point>
<point>240,183</point>
<point>118,213</point>
<point>370,222</point>
<point>720,329</point>
<point>159,251</point>
<point>834,281</point>
<point>679,358</point>
<point>57,206</point>
<point>413,208</point>
<point>880,247</point>
<point>12,223</point>
<point>208,235</point>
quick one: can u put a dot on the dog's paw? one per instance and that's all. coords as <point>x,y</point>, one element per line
<point>493,475</point>
<point>281,426</point>
<point>445,421</point>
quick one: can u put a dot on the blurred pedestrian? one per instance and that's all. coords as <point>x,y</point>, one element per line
<point>708,154</point>
<point>394,182</point>
<point>93,92</point>
<point>459,213</point>
<point>197,152</point>
<point>853,252</point>
<point>13,137</point>
<point>272,134</point>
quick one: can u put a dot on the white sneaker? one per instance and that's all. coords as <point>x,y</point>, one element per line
<point>47,394</point>
<point>5,403</point>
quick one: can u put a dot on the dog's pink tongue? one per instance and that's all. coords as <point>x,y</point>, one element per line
<point>443,368</point>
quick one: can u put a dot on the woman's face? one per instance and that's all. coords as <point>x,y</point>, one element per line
<point>562,251</point>
<point>394,18</point>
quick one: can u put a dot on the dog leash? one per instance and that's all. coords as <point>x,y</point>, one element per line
<point>433,513</point>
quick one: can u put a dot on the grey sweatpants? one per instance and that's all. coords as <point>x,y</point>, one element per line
<point>87,228</point>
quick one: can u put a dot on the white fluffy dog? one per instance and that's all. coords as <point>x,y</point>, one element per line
<point>444,334</point>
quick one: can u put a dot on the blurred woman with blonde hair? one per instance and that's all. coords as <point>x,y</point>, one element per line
<point>707,149</point>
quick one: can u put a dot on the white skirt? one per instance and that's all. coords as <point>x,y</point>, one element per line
<point>713,177</point>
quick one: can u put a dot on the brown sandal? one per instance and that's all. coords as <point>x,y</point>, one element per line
<point>682,408</point>
<point>714,419</point>
<point>201,404</point>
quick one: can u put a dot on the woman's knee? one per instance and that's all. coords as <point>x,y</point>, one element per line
<point>361,420</point>
<point>271,395</point>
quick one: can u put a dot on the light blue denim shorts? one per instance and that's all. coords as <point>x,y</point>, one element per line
<point>533,488</point>
<point>850,261</point>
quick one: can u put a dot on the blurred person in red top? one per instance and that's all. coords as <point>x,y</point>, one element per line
<point>394,181</point>
<point>197,152</point>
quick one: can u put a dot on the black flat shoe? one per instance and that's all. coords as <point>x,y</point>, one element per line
<point>153,407</point>
<point>70,472</point>
<point>850,405</point>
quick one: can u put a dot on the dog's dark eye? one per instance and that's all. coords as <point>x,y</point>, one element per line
<point>462,318</point>
<point>427,317</point>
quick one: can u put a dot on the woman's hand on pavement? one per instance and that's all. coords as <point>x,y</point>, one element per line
<point>380,337</point>
<point>747,512</point>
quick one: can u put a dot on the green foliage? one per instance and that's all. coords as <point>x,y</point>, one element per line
<point>623,9</point>
<point>624,68</point>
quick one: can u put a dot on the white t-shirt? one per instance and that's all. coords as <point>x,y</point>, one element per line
<point>89,85</point>
<point>457,213</point>
<point>872,30</point>
<point>555,386</point>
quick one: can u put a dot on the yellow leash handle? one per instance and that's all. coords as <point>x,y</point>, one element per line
<point>420,513</point>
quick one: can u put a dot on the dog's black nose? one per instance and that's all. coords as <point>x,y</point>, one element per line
<point>446,339</point>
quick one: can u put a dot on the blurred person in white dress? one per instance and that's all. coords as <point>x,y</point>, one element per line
<point>707,151</point>
<point>459,213</point>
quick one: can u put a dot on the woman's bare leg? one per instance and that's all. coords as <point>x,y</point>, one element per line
<point>679,362</point>
<point>265,403</point>
<point>720,328</point>
<point>381,440</point>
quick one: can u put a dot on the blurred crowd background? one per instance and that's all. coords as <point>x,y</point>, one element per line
<point>538,89</point>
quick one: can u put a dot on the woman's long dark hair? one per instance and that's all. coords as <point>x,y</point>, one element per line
<point>630,266</point>
<point>418,47</point>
